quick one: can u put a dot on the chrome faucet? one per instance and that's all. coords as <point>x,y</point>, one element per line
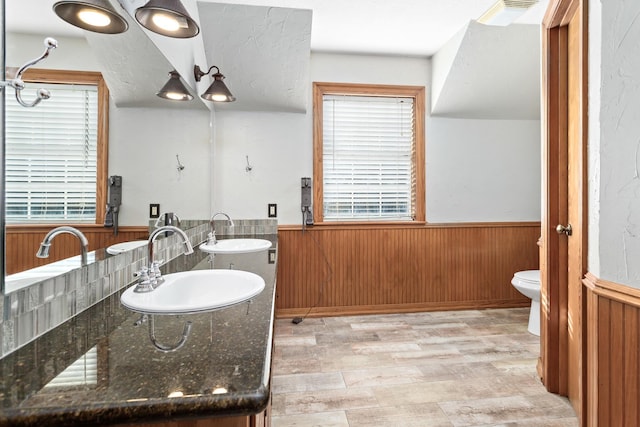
<point>43,252</point>
<point>212,235</point>
<point>150,277</point>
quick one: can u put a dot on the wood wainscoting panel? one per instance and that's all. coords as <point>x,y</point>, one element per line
<point>23,241</point>
<point>613,349</point>
<point>341,269</point>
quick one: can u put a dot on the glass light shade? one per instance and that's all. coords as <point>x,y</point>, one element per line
<point>218,91</point>
<point>174,89</point>
<point>168,18</point>
<point>97,16</point>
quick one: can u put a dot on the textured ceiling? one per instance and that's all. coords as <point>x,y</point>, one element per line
<point>405,27</point>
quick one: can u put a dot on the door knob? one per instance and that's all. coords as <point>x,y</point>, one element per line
<point>561,229</point>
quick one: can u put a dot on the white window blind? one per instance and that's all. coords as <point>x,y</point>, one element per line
<point>51,156</point>
<point>368,146</point>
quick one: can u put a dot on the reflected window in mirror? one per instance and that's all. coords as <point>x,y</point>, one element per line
<point>56,153</point>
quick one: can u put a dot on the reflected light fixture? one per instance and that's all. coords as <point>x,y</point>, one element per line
<point>168,18</point>
<point>97,16</point>
<point>174,89</point>
<point>218,91</point>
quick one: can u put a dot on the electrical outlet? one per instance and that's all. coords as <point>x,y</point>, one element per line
<point>272,256</point>
<point>154,210</point>
<point>273,210</point>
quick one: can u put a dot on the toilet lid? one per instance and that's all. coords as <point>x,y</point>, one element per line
<point>528,275</point>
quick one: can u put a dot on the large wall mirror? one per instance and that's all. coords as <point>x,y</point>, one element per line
<point>134,69</point>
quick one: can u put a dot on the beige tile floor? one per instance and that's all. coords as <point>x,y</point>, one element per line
<point>455,368</point>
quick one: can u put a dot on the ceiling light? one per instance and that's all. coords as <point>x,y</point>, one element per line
<point>91,15</point>
<point>218,91</point>
<point>168,18</point>
<point>174,89</point>
<point>505,12</point>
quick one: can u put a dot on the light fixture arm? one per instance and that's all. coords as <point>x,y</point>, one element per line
<point>18,84</point>
<point>198,73</point>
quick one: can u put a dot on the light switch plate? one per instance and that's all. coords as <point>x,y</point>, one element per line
<point>273,210</point>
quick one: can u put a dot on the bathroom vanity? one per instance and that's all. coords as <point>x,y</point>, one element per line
<point>220,376</point>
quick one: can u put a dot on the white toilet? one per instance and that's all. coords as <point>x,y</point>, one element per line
<point>528,284</point>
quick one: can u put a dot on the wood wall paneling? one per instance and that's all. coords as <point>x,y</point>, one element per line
<point>22,243</point>
<point>332,270</point>
<point>613,348</point>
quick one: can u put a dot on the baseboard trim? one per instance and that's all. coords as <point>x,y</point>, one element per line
<point>285,313</point>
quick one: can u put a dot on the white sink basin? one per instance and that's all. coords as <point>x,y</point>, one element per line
<point>118,248</point>
<point>236,246</point>
<point>195,291</point>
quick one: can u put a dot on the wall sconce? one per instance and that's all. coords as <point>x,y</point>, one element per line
<point>91,15</point>
<point>218,91</point>
<point>174,89</point>
<point>168,18</point>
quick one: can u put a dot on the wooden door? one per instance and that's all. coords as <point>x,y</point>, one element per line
<point>576,257</point>
<point>563,258</point>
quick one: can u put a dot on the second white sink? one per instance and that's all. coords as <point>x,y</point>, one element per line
<point>118,248</point>
<point>236,246</point>
<point>195,291</point>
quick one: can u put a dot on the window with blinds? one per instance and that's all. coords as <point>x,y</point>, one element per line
<point>368,147</point>
<point>51,156</point>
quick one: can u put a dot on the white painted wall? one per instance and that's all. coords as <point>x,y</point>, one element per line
<point>593,146</point>
<point>143,142</point>
<point>615,221</point>
<point>483,170</point>
<point>477,170</point>
<point>72,53</point>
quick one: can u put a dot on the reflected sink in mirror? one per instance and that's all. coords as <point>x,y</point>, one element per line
<point>236,246</point>
<point>26,278</point>
<point>119,248</point>
<point>195,291</point>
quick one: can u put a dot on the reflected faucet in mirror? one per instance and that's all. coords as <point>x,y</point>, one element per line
<point>43,252</point>
<point>167,218</point>
<point>212,235</point>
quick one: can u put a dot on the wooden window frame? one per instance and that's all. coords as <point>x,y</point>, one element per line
<point>40,75</point>
<point>418,94</point>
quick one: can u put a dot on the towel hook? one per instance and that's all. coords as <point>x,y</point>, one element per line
<point>180,166</point>
<point>18,84</point>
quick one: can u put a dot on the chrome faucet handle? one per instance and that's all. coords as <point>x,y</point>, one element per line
<point>155,268</point>
<point>211,238</point>
<point>152,278</point>
<point>144,282</point>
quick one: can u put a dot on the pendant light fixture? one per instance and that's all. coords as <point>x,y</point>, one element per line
<point>174,89</point>
<point>97,16</point>
<point>218,91</point>
<point>168,18</point>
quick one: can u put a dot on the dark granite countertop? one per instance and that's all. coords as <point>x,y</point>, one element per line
<point>223,368</point>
